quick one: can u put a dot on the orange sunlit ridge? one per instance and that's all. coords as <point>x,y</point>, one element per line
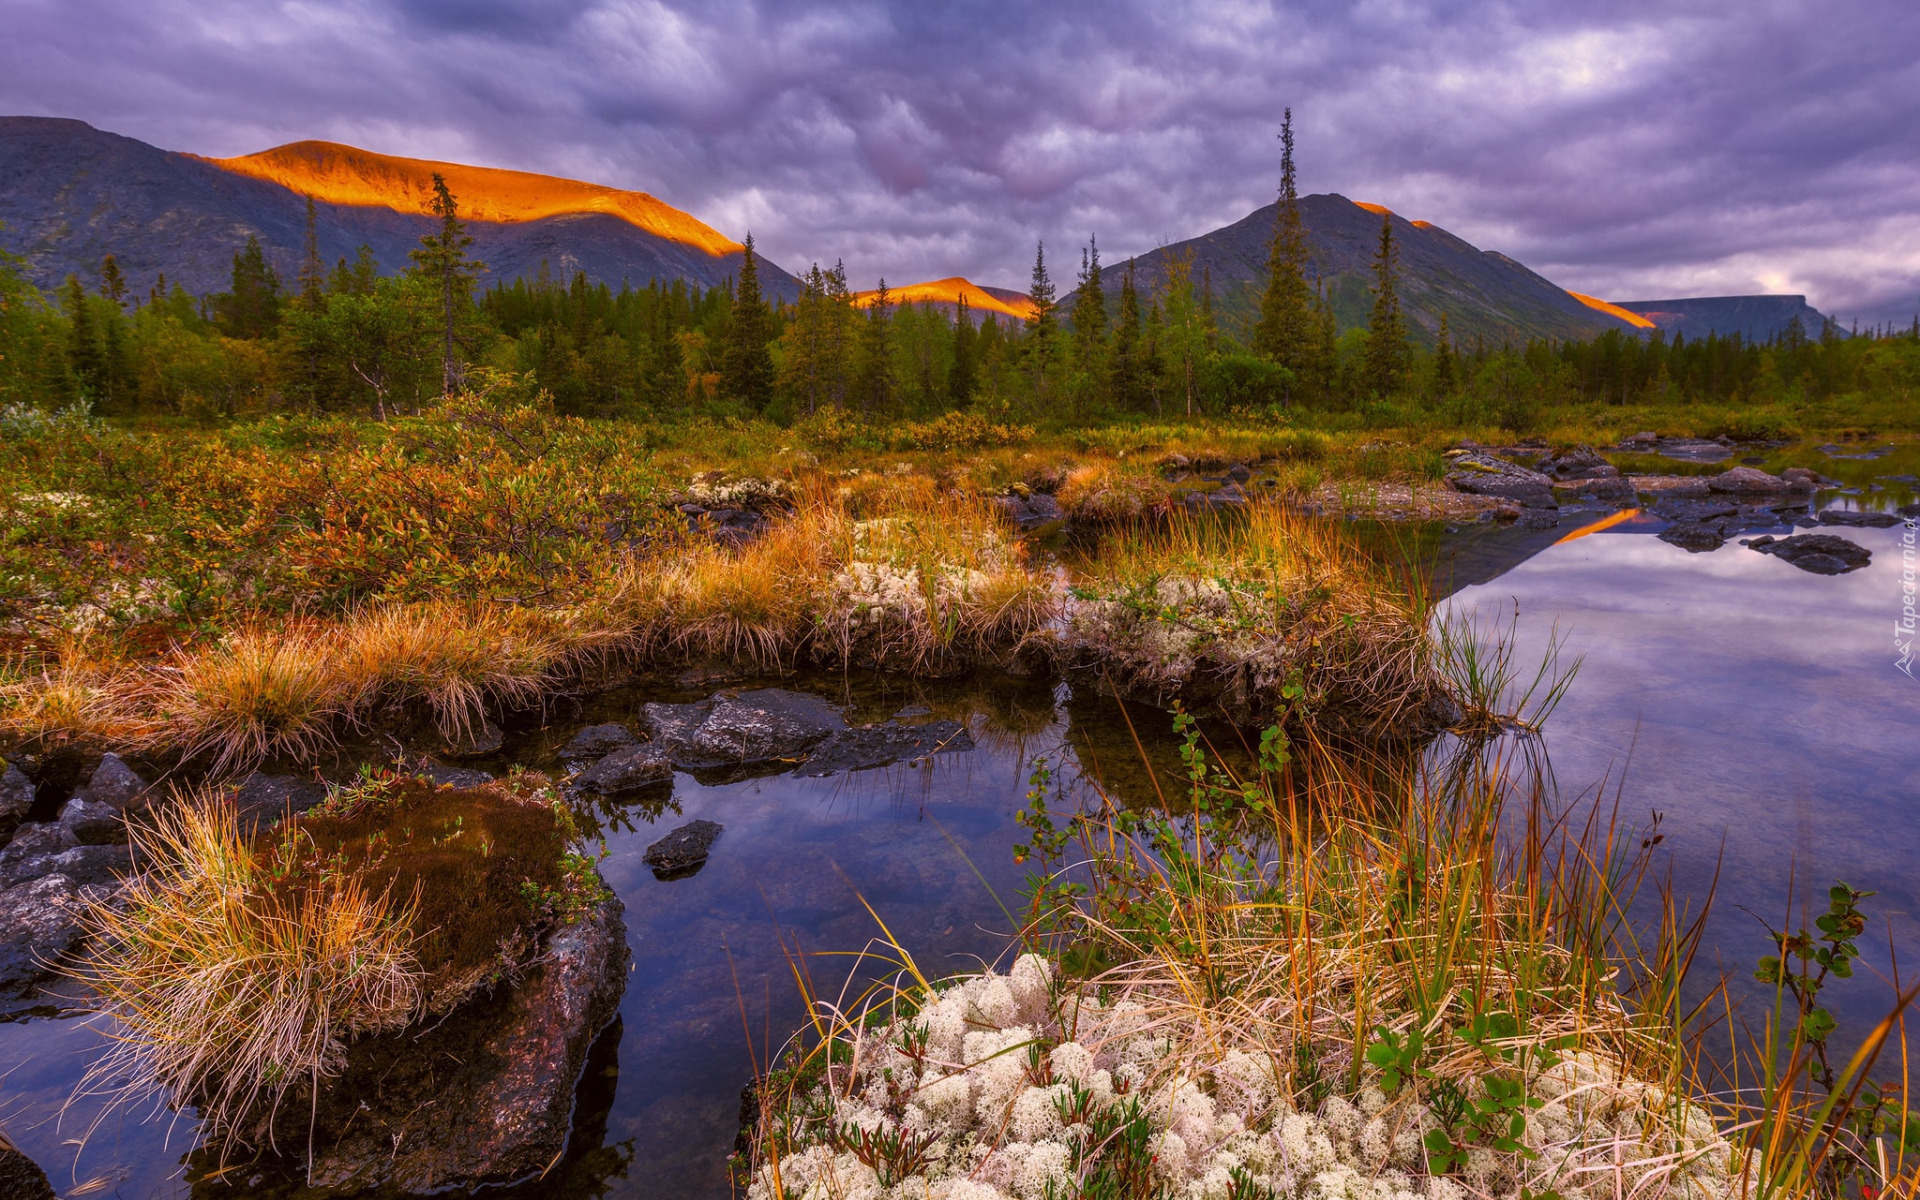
<point>951,291</point>
<point>1614,310</point>
<point>337,174</point>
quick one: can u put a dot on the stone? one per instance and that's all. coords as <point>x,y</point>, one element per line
<point>1746,480</point>
<point>1819,553</point>
<point>20,1177</point>
<point>1694,537</point>
<point>598,741</point>
<point>34,845</point>
<point>39,929</point>
<point>745,729</point>
<point>113,783</point>
<point>476,741</point>
<point>1031,510</point>
<point>1230,496</point>
<point>1480,473</point>
<point>484,1094</point>
<point>93,823</point>
<point>1909,510</point>
<point>1176,462</point>
<point>16,801</point>
<point>1684,486</point>
<point>881,745</point>
<point>1857,519</point>
<point>1795,475</point>
<point>626,771</point>
<point>1240,473</point>
<point>1599,488</point>
<point>684,851</point>
<point>263,801</point>
<point>1579,462</point>
<point>1687,509</point>
<point>1640,441</point>
<point>1699,450</point>
<point>451,777</point>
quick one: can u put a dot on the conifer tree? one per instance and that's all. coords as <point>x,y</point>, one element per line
<point>113,284</point>
<point>1388,352</point>
<point>961,376</point>
<point>443,262</point>
<point>1129,384</point>
<point>874,381</point>
<point>1042,349</point>
<point>1089,312</point>
<point>746,369</point>
<point>1444,367</point>
<point>83,342</point>
<point>313,271</point>
<point>251,308</point>
<point>1286,332</point>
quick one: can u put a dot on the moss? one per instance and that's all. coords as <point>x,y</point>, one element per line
<point>484,870</point>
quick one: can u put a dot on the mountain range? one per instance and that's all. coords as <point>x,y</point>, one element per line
<point>71,194</point>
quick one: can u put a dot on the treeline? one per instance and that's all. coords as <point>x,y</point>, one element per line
<point>344,338</point>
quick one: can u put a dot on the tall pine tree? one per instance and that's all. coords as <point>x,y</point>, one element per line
<point>1388,352</point>
<point>113,283</point>
<point>442,261</point>
<point>961,375</point>
<point>1090,313</point>
<point>251,309</point>
<point>746,369</point>
<point>1129,371</point>
<point>1042,347</point>
<point>1286,333</point>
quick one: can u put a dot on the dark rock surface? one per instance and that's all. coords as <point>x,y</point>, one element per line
<point>113,783</point>
<point>484,1095</point>
<point>476,741</point>
<point>1909,510</point>
<point>1694,537</point>
<point>16,800</point>
<point>40,927</point>
<point>1609,488</point>
<point>1855,519</point>
<point>1031,511</point>
<point>23,858</point>
<point>1820,553</point>
<point>880,745</point>
<point>745,729</point>
<point>20,1177</point>
<point>626,771</point>
<point>1698,450</point>
<point>93,823</point>
<point>598,741</point>
<point>684,851</point>
<point>452,777</point>
<point>1579,462</point>
<point>266,800</point>
<point>1483,473</point>
<point>1746,481</point>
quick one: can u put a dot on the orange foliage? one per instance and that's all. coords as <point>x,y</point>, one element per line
<point>339,174</point>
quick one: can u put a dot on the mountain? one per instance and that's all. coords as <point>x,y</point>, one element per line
<point>1754,318</point>
<point>73,194</point>
<point>1483,293</point>
<point>946,294</point>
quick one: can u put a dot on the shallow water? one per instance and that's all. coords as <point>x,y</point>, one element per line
<point>1753,705</point>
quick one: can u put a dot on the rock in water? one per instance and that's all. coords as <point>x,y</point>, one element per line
<point>20,1177</point>
<point>880,745</point>
<point>1747,481</point>
<point>1856,519</point>
<point>684,851</point>
<point>39,928</point>
<point>476,741</point>
<point>1819,553</point>
<point>748,729</point>
<point>1693,536</point>
<point>1580,462</point>
<point>1482,473</point>
<point>598,741</point>
<point>485,1095</point>
<point>16,801</point>
<point>625,772</point>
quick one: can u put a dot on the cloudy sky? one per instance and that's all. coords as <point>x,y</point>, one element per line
<point>1638,149</point>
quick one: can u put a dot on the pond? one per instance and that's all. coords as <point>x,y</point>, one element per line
<point>1756,707</point>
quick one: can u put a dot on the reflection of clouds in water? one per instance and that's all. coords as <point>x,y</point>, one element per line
<point>1758,703</point>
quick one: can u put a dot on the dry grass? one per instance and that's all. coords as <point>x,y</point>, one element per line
<point>229,990</point>
<point>257,694</point>
<point>460,659</point>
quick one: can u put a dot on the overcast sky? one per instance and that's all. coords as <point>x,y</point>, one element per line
<point>1638,149</point>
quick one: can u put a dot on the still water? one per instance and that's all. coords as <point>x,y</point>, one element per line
<point>1756,707</point>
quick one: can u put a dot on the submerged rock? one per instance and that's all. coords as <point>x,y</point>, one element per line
<point>485,1095</point>
<point>745,729</point>
<point>684,851</point>
<point>20,1177</point>
<point>598,741</point>
<point>1694,537</point>
<point>16,801</point>
<point>1819,553</point>
<point>626,771</point>
<point>476,741</point>
<point>266,800</point>
<point>1856,519</point>
<point>881,745</point>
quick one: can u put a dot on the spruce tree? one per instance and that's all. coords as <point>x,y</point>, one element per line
<point>1129,386</point>
<point>1090,312</point>
<point>113,284</point>
<point>1286,333</point>
<point>442,261</point>
<point>1444,367</point>
<point>251,307</point>
<point>313,271</point>
<point>1388,352</point>
<point>1043,331</point>
<point>84,357</point>
<point>746,369</point>
<point>960,377</point>
<point>874,381</point>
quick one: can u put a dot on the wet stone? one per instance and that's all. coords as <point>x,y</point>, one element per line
<point>1746,480</point>
<point>1819,553</point>
<point>752,728</point>
<point>28,855</point>
<point>1481,473</point>
<point>451,777</point>
<point>93,823</point>
<point>20,1177</point>
<point>882,745</point>
<point>1578,463</point>
<point>684,851</point>
<point>39,928</point>
<point>113,783</point>
<point>16,800</point>
<point>598,741</point>
<point>1239,473</point>
<point>263,801</point>
<point>1855,519</point>
<point>476,741</point>
<point>1694,537</point>
<point>626,771</point>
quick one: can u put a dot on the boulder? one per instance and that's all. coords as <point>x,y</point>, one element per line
<point>451,777</point>
<point>484,1094</point>
<point>598,741</point>
<point>1799,475</point>
<point>1694,537</point>
<point>1819,553</point>
<point>1746,481</point>
<point>1239,473</point>
<point>16,800</point>
<point>39,929</point>
<point>684,851</point>
<point>745,729</point>
<point>1640,442</point>
<point>1909,511</point>
<point>1480,473</point>
<point>263,801</point>
<point>113,783</point>
<point>1610,488</point>
<point>881,745</point>
<point>1230,496</point>
<point>25,857</point>
<point>624,772</point>
<point>20,1177</point>
<point>476,741</point>
<point>1856,519</point>
<point>1031,510</point>
<point>1579,462</point>
<point>93,823</point>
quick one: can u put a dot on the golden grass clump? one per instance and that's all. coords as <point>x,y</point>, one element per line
<point>256,694</point>
<point>461,659</point>
<point>72,692</point>
<point>229,989</point>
